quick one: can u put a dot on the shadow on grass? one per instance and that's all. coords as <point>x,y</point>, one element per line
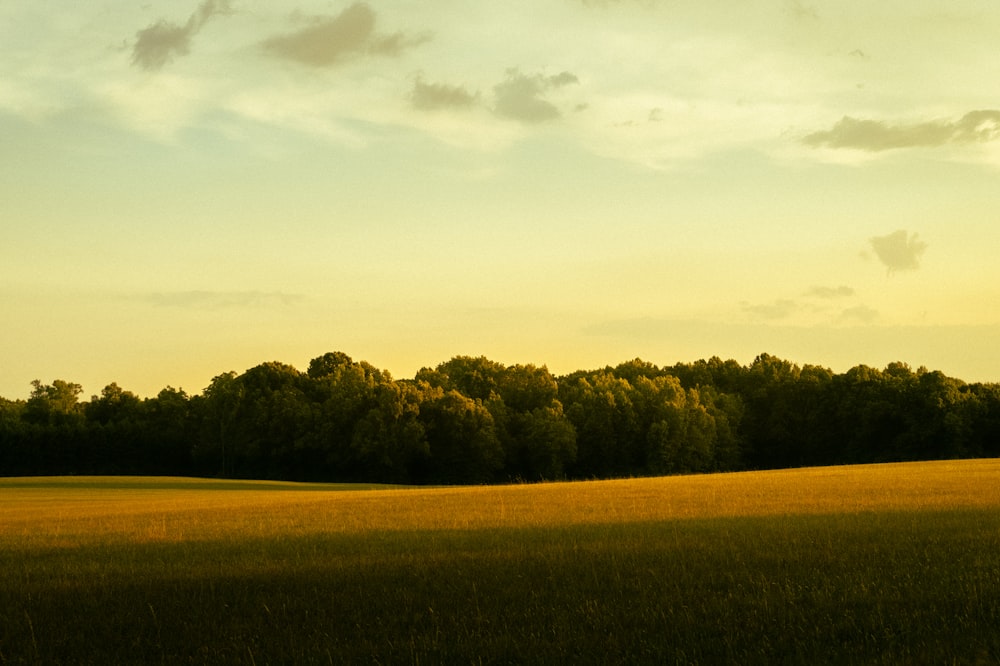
<point>112,483</point>
<point>869,588</point>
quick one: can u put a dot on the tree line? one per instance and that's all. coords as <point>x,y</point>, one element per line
<point>473,420</point>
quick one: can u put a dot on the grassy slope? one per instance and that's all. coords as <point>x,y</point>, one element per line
<point>865,564</point>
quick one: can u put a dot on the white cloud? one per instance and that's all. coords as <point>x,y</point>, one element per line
<point>686,82</point>
<point>156,106</point>
<point>24,99</point>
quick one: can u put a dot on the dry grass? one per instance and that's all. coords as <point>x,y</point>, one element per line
<point>70,510</point>
<point>870,564</point>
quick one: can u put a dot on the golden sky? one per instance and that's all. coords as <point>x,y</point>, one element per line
<point>188,188</point>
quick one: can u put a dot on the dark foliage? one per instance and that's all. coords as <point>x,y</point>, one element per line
<point>473,420</point>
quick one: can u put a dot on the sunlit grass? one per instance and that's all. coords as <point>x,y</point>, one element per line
<point>873,564</point>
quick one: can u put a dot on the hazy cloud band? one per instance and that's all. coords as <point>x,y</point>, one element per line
<point>218,299</point>
<point>874,136</point>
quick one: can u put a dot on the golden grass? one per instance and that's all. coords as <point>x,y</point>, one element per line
<point>878,564</point>
<point>65,512</point>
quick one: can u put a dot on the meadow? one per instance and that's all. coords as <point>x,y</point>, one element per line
<point>876,564</point>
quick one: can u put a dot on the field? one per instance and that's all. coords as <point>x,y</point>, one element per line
<point>868,564</point>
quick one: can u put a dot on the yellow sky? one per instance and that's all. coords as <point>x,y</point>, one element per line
<point>192,188</point>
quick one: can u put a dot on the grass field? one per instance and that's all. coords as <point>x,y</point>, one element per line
<point>868,564</point>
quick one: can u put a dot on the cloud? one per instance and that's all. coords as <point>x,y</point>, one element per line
<point>899,251</point>
<point>214,300</point>
<point>874,136</point>
<point>779,309</point>
<point>859,314</point>
<point>332,39</point>
<point>812,308</point>
<point>605,3</point>
<point>520,97</point>
<point>432,96</point>
<point>157,44</point>
<point>830,292</point>
<point>801,10</point>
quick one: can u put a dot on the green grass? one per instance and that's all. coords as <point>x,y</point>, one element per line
<point>878,564</point>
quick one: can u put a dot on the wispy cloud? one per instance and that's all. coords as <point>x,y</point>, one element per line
<point>330,40</point>
<point>779,309</point>
<point>214,300</point>
<point>801,10</point>
<point>521,97</point>
<point>818,305</point>
<point>827,293</point>
<point>157,44</point>
<point>606,3</point>
<point>859,314</point>
<point>898,251</point>
<point>432,96</point>
<point>874,135</point>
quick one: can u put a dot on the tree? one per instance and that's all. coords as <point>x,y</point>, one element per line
<point>724,376</point>
<point>219,407</point>
<point>54,433</point>
<point>983,415</point>
<point>54,404</point>
<point>328,364</point>
<point>524,388</point>
<point>473,420</point>
<point>390,441</point>
<point>677,430</point>
<point>600,407</point>
<point>462,438</point>
<point>939,426</point>
<point>477,378</point>
<point>114,405</point>
<point>14,459</point>
<point>343,393</point>
<point>168,432</point>
<point>273,415</point>
<point>113,433</point>
<point>540,444</point>
<point>632,370</point>
<point>768,391</point>
<point>727,411</point>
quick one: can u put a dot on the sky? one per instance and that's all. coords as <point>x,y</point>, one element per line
<point>189,188</point>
